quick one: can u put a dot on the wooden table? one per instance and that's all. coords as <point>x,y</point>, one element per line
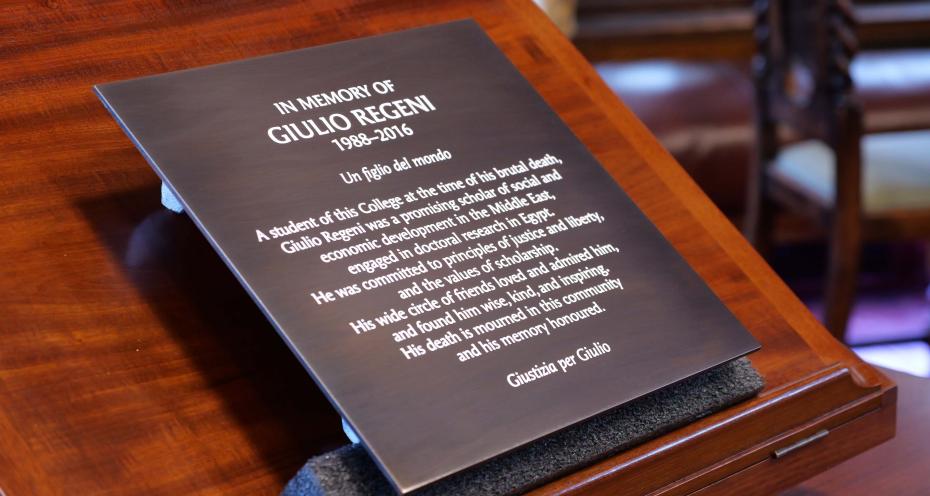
<point>897,467</point>
<point>131,362</point>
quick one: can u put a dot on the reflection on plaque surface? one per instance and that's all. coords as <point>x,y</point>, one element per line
<point>453,267</point>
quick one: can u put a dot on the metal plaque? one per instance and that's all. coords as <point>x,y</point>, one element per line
<point>453,267</point>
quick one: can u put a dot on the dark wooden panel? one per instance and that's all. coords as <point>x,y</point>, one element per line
<point>633,29</point>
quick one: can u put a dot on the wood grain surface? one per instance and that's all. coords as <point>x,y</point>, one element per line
<point>131,361</point>
<point>897,467</point>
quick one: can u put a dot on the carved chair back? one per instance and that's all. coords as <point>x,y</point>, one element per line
<point>801,69</point>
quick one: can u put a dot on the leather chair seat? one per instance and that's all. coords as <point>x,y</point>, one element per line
<point>702,110</point>
<point>895,175</point>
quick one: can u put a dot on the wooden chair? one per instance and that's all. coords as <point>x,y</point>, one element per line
<point>856,187</point>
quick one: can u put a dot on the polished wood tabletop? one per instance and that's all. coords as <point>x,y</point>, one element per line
<point>132,362</point>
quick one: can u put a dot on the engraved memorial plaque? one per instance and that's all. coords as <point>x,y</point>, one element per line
<point>453,267</point>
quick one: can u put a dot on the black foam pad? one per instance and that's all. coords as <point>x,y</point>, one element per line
<point>349,471</point>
